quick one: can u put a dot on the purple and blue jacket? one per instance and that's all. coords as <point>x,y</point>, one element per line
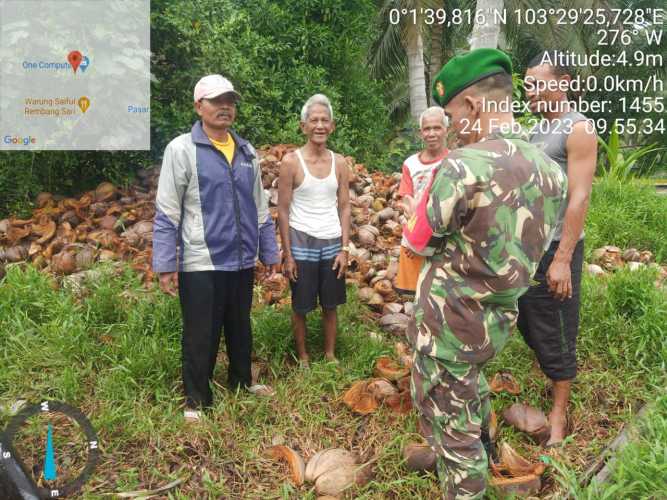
<point>210,215</point>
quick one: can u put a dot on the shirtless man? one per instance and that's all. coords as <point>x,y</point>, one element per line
<point>314,219</point>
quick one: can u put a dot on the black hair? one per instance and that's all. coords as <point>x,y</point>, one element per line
<point>554,59</point>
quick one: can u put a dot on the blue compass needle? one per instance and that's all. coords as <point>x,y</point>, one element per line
<point>49,459</point>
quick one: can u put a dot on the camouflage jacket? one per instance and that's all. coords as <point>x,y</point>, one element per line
<point>485,218</point>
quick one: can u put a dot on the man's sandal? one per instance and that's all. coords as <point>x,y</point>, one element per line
<point>192,416</point>
<point>261,390</point>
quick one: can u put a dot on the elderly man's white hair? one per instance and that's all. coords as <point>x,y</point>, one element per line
<point>312,101</point>
<point>433,111</point>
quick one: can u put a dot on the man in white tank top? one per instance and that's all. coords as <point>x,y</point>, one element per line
<point>314,218</point>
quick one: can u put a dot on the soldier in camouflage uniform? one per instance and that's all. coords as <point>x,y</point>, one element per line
<point>483,222</point>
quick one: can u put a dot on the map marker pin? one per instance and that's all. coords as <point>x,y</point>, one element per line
<point>84,103</point>
<point>74,59</point>
<point>84,63</point>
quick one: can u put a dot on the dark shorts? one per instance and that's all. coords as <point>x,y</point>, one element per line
<point>550,326</point>
<point>315,277</point>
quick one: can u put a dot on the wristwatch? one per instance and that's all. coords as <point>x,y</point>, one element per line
<point>345,249</point>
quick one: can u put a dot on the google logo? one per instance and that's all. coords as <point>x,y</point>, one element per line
<point>8,139</point>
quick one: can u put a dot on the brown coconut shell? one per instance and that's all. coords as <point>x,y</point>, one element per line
<point>293,459</point>
<point>529,420</point>
<point>338,480</point>
<point>326,460</point>
<point>385,367</point>
<point>359,399</point>
<point>381,388</point>
<point>505,381</point>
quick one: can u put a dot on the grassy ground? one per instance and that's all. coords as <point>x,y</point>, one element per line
<point>115,354</point>
<point>627,214</point>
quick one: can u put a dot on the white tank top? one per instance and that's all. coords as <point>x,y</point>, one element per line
<point>314,207</point>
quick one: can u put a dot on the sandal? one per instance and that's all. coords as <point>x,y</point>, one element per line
<point>262,390</point>
<point>192,416</point>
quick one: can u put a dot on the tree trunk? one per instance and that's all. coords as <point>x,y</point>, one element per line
<point>486,35</point>
<point>435,63</point>
<point>415,51</point>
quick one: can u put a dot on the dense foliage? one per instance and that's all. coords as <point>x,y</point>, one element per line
<point>277,53</point>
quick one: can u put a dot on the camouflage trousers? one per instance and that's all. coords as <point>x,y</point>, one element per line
<point>452,399</point>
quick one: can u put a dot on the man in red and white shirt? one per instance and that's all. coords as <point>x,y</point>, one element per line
<point>417,171</point>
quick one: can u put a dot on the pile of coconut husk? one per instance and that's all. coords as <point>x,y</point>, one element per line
<point>608,259</point>
<point>66,235</point>
<point>390,387</point>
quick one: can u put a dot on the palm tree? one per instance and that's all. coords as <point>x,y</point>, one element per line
<point>486,34</point>
<point>401,57</point>
<point>401,43</point>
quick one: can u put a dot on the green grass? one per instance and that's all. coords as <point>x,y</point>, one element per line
<point>115,353</point>
<point>627,214</point>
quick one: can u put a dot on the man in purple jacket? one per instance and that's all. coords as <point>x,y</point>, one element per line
<point>212,222</point>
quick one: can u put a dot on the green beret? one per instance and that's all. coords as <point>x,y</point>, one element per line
<point>465,70</point>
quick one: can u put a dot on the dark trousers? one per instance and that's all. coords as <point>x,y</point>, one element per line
<point>210,302</point>
<point>550,326</point>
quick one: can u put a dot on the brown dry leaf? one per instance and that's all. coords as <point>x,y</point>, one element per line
<point>359,399</point>
<point>529,420</point>
<point>504,381</point>
<point>293,459</point>
<point>386,367</point>
<point>326,460</point>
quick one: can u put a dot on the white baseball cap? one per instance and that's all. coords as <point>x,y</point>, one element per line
<point>212,86</point>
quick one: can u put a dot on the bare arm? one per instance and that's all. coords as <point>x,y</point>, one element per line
<point>581,159</point>
<point>285,187</point>
<point>344,211</point>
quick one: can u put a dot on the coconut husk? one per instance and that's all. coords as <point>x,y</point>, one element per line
<point>327,460</point>
<point>608,257</point>
<point>510,487</point>
<point>631,255</point>
<point>400,403</point>
<point>293,459</point>
<point>529,420</point>
<point>359,399</point>
<point>505,381</point>
<point>337,480</point>
<point>381,388</point>
<point>396,323</point>
<point>387,368</point>
<point>392,308</point>
<point>16,253</point>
